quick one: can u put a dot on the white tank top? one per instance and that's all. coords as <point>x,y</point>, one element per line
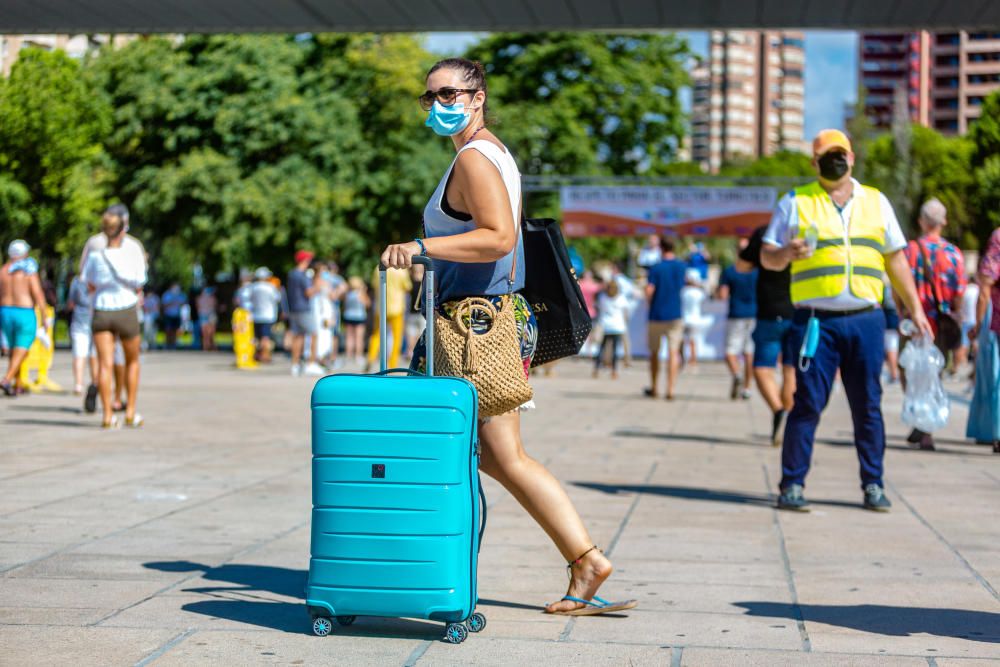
<point>459,279</point>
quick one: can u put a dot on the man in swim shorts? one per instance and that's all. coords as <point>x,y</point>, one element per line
<point>20,295</point>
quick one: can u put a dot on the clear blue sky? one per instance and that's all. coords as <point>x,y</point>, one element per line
<point>831,70</point>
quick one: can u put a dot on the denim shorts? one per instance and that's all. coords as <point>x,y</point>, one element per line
<point>771,340</point>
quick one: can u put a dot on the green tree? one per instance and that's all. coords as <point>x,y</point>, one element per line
<point>860,129</point>
<point>242,148</point>
<point>985,138</point>
<point>782,164</point>
<point>939,167</point>
<point>55,172</point>
<point>382,76</point>
<point>586,103</point>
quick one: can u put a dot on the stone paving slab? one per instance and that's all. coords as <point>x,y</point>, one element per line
<point>187,542</point>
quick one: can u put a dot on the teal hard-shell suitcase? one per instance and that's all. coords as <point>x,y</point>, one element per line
<point>396,519</point>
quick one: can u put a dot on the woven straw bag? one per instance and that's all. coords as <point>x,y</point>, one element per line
<point>491,361</point>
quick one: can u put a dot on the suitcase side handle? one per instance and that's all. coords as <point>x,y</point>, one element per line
<point>428,315</point>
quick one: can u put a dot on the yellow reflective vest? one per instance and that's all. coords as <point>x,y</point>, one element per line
<point>843,257</point>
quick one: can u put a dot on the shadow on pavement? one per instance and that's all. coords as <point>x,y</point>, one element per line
<point>694,493</point>
<point>265,578</point>
<point>981,626</point>
<point>510,605</point>
<point>752,440</point>
<point>47,408</point>
<point>245,602</point>
<point>292,617</point>
<point>51,422</point>
<point>905,447</point>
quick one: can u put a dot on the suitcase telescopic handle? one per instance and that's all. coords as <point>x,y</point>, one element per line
<point>428,314</point>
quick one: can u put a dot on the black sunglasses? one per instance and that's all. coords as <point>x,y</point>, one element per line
<point>445,96</point>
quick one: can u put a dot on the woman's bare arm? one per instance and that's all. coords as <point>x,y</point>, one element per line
<point>479,189</point>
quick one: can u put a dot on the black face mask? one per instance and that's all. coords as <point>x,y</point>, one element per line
<point>833,166</point>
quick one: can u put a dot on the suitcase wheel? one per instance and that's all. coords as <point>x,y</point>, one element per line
<point>322,626</point>
<point>456,633</point>
<point>346,620</point>
<point>476,622</point>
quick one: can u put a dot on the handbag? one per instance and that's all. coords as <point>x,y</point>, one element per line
<point>490,360</point>
<point>552,291</point>
<point>949,328</point>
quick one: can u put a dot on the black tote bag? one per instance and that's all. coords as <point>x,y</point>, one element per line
<point>552,291</point>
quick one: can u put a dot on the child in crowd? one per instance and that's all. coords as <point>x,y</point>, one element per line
<point>612,315</point>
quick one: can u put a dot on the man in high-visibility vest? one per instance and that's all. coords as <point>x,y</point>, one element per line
<point>839,237</point>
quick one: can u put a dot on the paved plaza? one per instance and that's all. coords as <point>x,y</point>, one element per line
<point>187,542</point>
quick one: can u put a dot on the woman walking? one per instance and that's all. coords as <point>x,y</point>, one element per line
<point>472,233</point>
<point>115,275</point>
<point>355,316</point>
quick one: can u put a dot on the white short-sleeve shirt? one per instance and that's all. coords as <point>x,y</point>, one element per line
<point>784,227</point>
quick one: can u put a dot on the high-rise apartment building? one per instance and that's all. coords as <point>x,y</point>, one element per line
<point>76,46</point>
<point>944,75</point>
<point>749,96</point>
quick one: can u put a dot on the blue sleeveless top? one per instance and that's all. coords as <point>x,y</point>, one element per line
<point>456,280</point>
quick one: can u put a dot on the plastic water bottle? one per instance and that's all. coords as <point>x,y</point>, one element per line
<point>812,237</point>
<point>925,403</point>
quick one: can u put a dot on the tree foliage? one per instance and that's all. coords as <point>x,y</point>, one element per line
<point>586,103</point>
<point>53,169</point>
<point>985,136</point>
<point>937,166</point>
<point>782,164</point>
<point>235,150</point>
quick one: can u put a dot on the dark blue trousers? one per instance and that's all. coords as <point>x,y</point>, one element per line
<point>856,345</point>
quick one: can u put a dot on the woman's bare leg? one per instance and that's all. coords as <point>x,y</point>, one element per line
<point>104,343</point>
<point>539,492</point>
<point>78,367</point>
<point>131,348</point>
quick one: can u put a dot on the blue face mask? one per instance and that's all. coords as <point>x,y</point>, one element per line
<point>447,121</point>
<point>810,342</point>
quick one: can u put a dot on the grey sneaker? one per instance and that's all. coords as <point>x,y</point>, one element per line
<point>875,499</point>
<point>791,498</point>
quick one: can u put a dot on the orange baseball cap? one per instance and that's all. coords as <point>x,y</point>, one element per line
<point>827,140</point>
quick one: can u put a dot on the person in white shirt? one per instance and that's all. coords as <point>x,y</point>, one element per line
<point>265,300</point>
<point>969,299</point>
<point>95,243</point>
<point>115,275</point>
<point>613,309</point>
<point>695,322</point>
<point>81,336</point>
<point>321,306</point>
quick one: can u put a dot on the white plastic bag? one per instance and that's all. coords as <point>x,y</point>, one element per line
<point>925,403</point>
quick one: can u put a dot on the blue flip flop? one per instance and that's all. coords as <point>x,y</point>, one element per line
<point>594,607</point>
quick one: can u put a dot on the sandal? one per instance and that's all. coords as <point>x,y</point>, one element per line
<point>649,393</point>
<point>135,422</point>
<point>591,608</point>
<point>112,425</point>
<point>596,606</point>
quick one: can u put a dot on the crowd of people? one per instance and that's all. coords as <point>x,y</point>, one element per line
<point>819,293</point>
<point>316,314</point>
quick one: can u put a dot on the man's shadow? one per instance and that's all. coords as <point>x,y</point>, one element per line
<point>979,626</point>
<point>247,595</point>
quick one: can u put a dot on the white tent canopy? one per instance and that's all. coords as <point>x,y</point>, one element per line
<point>185,16</point>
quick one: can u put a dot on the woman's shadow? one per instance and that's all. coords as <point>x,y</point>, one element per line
<point>249,594</point>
